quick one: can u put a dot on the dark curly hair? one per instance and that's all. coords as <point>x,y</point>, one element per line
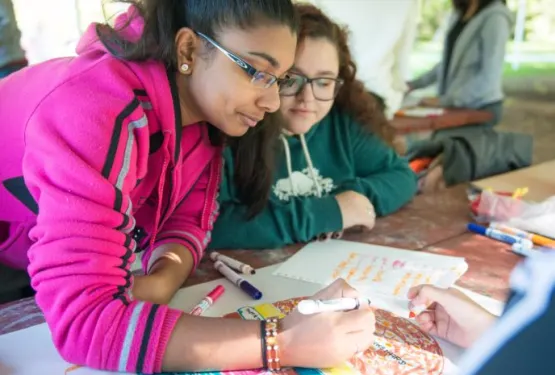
<point>353,97</point>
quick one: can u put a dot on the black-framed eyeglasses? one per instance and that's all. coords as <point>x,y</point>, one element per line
<point>323,88</point>
<point>258,78</point>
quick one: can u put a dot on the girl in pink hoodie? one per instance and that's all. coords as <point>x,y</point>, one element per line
<point>118,150</point>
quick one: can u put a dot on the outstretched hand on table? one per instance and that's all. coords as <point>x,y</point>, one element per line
<point>356,210</point>
<point>451,315</point>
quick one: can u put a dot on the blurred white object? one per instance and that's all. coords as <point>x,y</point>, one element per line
<point>382,37</point>
<point>422,112</point>
<point>537,218</point>
<point>53,28</point>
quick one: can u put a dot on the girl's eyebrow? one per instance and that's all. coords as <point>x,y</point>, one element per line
<point>320,73</point>
<point>272,60</point>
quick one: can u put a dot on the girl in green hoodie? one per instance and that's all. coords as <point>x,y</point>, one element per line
<point>335,169</point>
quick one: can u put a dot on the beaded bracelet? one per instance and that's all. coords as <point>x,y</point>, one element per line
<point>270,347</point>
<point>263,344</point>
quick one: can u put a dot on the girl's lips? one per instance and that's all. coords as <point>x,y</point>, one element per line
<point>249,121</point>
<point>301,111</point>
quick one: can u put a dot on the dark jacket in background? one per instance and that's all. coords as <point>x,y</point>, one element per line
<point>472,155</point>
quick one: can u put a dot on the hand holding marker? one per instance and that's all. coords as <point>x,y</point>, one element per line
<point>309,306</point>
<point>416,310</point>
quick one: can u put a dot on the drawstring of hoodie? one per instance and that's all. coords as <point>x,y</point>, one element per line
<point>311,167</point>
<point>288,161</point>
<point>308,161</point>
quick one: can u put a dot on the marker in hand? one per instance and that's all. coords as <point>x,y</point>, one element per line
<point>309,306</point>
<point>237,280</point>
<point>417,310</point>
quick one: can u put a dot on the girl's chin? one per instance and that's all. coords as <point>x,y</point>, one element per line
<point>298,127</point>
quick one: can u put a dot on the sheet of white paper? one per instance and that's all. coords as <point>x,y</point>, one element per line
<point>422,112</point>
<point>377,270</point>
<point>31,351</point>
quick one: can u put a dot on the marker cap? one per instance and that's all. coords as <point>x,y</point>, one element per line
<point>217,292</point>
<point>250,290</point>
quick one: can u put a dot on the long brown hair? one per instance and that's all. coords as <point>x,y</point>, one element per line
<point>254,156</point>
<point>353,97</point>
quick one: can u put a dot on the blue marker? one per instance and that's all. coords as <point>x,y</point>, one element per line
<point>237,280</point>
<point>500,236</point>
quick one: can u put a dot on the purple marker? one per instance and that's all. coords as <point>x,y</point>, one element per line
<point>243,284</point>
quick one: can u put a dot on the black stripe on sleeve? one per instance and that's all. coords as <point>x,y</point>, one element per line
<point>146,338</point>
<point>140,92</point>
<point>155,142</point>
<point>116,134</point>
<point>118,194</point>
<point>16,187</point>
<point>128,253</point>
<point>118,200</point>
<point>124,223</point>
<point>120,293</point>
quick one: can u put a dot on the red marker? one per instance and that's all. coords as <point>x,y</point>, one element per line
<point>208,301</point>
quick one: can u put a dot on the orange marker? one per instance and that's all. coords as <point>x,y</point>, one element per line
<point>535,238</point>
<point>72,368</point>
<point>418,165</point>
<point>417,310</point>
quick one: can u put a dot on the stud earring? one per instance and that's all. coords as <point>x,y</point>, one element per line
<point>184,68</point>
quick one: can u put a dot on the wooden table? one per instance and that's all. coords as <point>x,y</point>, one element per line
<point>539,178</point>
<point>433,223</point>
<point>449,119</point>
<point>408,129</point>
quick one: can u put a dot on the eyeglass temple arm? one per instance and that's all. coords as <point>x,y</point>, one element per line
<point>236,59</point>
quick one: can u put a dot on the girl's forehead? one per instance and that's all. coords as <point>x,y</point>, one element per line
<point>316,56</point>
<point>274,44</point>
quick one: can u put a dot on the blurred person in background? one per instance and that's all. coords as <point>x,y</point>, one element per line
<point>12,55</point>
<point>470,72</point>
<point>383,33</point>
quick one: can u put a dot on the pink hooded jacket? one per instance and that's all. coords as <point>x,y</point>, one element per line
<point>96,166</point>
